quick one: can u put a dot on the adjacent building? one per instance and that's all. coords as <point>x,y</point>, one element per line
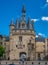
<point>40,48</point>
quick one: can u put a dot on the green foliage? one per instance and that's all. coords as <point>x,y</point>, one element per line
<point>2,50</point>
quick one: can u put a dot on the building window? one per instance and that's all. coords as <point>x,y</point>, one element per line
<point>39,58</point>
<point>23,45</point>
<point>5,44</point>
<point>29,41</point>
<point>44,46</point>
<point>4,56</point>
<point>32,46</point>
<point>16,46</point>
<point>29,46</point>
<point>20,38</point>
<point>0,43</point>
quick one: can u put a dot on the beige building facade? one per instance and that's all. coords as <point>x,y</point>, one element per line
<point>22,43</point>
<point>22,39</point>
<point>4,41</point>
<point>40,48</point>
<point>46,46</point>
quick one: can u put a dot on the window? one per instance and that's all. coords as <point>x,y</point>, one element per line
<point>23,45</point>
<point>32,46</point>
<point>4,56</point>
<point>16,46</point>
<point>29,46</point>
<point>0,43</point>
<point>5,44</point>
<point>29,41</point>
<point>20,38</point>
<point>39,58</point>
<point>44,46</point>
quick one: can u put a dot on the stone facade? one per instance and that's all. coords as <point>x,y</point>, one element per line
<point>40,48</point>
<point>22,39</point>
<point>4,41</point>
<point>46,46</point>
<point>22,43</point>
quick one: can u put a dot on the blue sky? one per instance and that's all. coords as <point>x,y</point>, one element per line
<point>36,9</point>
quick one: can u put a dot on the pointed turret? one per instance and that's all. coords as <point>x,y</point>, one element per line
<point>17,23</point>
<point>23,9</point>
<point>23,13</point>
<point>23,21</point>
<point>32,24</point>
<point>29,23</point>
<point>12,25</point>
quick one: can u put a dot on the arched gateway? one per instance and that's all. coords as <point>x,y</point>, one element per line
<point>22,56</point>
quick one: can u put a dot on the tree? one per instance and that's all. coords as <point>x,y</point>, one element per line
<point>2,51</point>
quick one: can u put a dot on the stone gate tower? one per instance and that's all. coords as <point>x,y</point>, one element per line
<point>22,39</point>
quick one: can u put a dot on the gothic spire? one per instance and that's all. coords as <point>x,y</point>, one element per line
<point>29,19</point>
<point>28,22</point>
<point>17,23</point>
<point>23,9</point>
<point>23,12</point>
<point>33,24</point>
<point>12,23</point>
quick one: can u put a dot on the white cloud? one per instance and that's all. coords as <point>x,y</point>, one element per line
<point>44,18</point>
<point>36,35</point>
<point>35,20</point>
<point>47,1</point>
<point>41,34</point>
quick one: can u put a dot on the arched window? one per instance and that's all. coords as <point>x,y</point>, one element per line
<point>32,46</point>
<point>20,38</point>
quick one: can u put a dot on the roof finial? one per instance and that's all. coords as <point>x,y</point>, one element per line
<point>12,22</point>
<point>33,24</point>
<point>17,23</point>
<point>23,9</point>
<point>23,13</point>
